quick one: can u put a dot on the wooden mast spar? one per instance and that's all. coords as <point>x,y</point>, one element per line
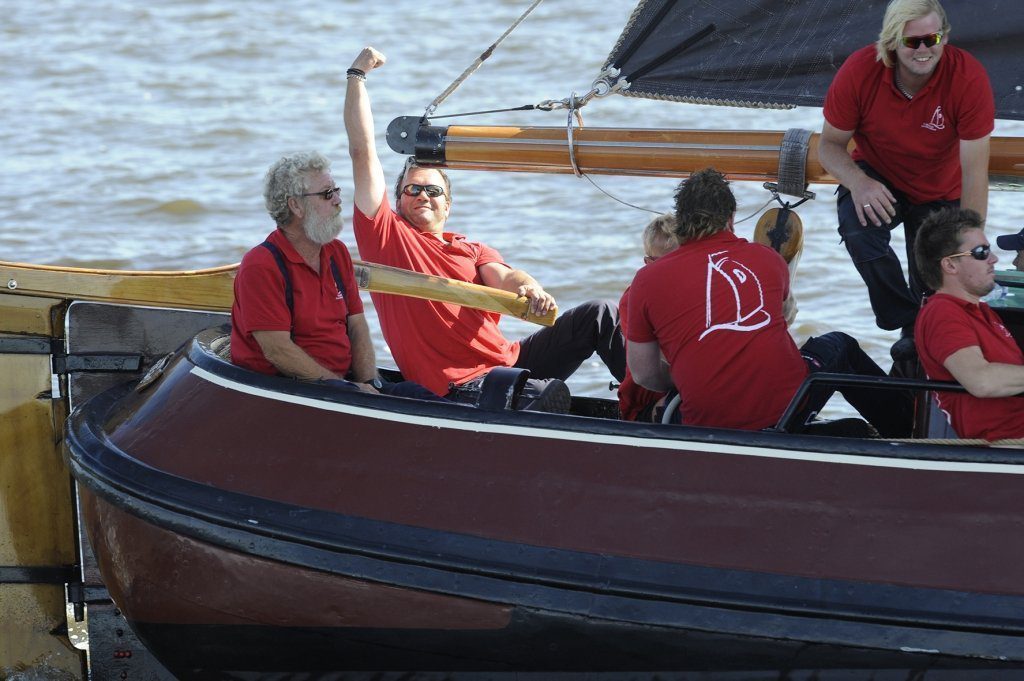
<point>750,155</point>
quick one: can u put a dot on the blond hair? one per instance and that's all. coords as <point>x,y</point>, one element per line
<point>897,14</point>
<point>660,236</point>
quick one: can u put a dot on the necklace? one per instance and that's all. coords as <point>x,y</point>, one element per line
<point>899,85</point>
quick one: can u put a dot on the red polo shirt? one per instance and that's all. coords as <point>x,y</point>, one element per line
<point>321,311</point>
<point>913,143</point>
<point>433,343</point>
<point>714,306</point>
<point>947,324</point>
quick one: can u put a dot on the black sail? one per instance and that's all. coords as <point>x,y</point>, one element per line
<point>781,53</point>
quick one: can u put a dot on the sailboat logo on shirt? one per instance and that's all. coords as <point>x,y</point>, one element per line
<point>938,121</point>
<point>741,306</point>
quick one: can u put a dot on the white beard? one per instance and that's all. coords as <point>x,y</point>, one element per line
<point>322,230</point>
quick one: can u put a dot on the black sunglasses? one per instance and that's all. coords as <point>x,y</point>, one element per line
<point>432,190</point>
<point>915,41</point>
<point>326,194</point>
<point>978,252</point>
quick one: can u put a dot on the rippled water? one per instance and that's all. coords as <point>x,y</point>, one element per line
<point>135,135</point>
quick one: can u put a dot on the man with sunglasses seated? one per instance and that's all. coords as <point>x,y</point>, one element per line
<point>297,310</point>
<point>708,319</point>
<point>959,337</point>
<point>439,345</point>
<point>921,113</point>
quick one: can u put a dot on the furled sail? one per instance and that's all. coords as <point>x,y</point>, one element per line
<point>781,53</point>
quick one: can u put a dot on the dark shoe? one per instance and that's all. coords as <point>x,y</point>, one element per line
<point>904,349</point>
<point>550,395</point>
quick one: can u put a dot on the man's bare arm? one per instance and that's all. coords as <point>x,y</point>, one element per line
<point>872,199</point>
<point>983,378</point>
<point>288,358</point>
<point>974,158</point>
<point>364,360</point>
<point>498,275</point>
<point>648,367</point>
<point>367,172</point>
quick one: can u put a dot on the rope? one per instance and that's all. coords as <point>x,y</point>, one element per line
<point>765,205</point>
<point>479,61</point>
<point>569,135</point>
<point>615,198</point>
<point>524,107</point>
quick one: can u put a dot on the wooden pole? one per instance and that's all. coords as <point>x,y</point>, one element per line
<point>751,155</point>
<point>212,289</point>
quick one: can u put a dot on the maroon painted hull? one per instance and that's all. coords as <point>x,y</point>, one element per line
<point>218,502</point>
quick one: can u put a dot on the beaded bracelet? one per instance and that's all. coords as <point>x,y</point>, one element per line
<point>356,73</point>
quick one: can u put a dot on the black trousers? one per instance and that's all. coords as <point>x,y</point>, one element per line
<point>557,351</point>
<point>894,302</point>
<point>891,412</point>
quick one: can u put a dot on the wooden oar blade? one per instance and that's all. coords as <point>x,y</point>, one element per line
<point>212,289</point>
<point>209,289</point>
<point>385,279</point>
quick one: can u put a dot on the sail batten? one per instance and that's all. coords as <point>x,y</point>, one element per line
<point>772,54</point>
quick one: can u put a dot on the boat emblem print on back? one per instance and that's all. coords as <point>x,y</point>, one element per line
<point>938,121</point>
<point>741,308</point>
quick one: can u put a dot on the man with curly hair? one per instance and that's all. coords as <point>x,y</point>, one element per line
<point>297,310</point>
<point>707,319</point>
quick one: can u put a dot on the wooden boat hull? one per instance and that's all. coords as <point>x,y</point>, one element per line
<point>248,524</point>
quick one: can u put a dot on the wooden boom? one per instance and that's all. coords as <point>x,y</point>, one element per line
<point>741,154</point>
<point>212,289</point>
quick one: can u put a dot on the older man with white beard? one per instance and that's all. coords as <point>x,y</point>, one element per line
<point>297,310</point>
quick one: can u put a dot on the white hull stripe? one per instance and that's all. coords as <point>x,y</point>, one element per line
<point>620,440</point>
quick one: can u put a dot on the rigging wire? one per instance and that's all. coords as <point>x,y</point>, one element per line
<point>599,188</point>
<point>756,212</point>
<point>525,107</point>
<point>572,103</point>
<point>478,62</point>
<point>659,212</point>
<point>615,198</point>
